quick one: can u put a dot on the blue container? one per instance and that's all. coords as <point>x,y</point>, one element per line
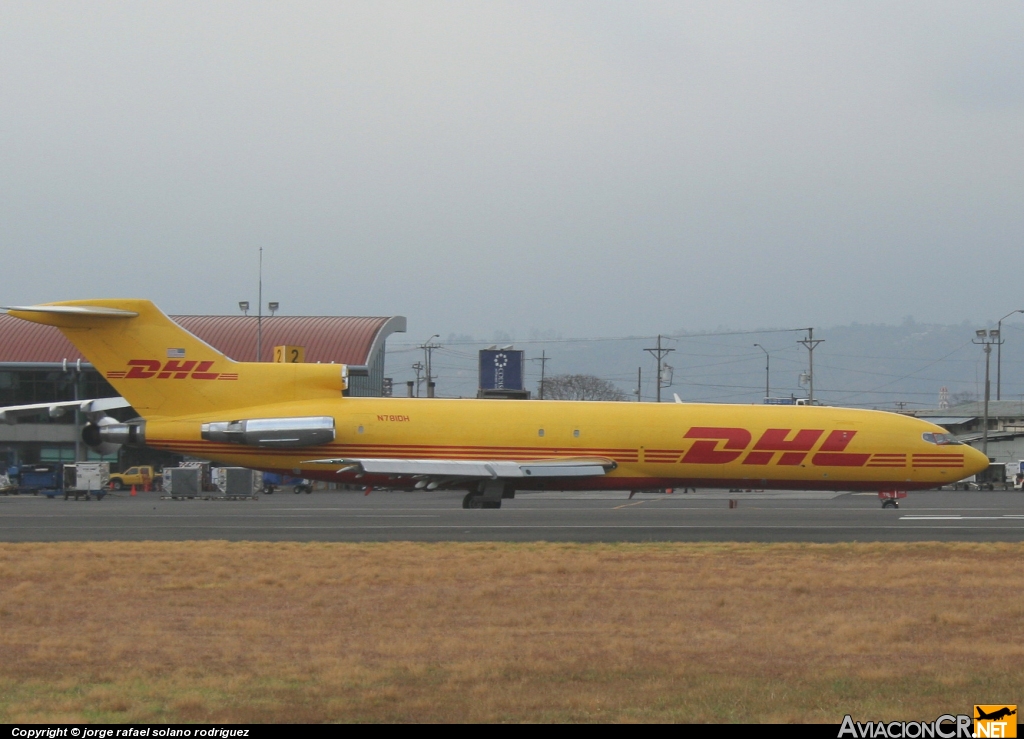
<point>39,478</point>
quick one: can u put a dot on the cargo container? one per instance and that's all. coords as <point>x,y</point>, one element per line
<point>86,479</point>
<point>238,482</point>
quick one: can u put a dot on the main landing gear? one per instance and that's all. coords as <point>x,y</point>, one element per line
<point>476,500</point>
<point>490,496</point>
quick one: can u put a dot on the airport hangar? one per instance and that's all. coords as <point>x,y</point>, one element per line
<point>38,365</point>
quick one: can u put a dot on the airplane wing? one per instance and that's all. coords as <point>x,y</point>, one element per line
<point>9,413</point>
<point>435,472</point>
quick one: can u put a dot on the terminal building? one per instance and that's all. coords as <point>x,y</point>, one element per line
<point>38,365</point>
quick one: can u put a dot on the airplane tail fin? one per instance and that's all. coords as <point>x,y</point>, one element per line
<point>163,370</point>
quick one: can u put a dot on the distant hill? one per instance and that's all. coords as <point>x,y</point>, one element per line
<point>873,366</point>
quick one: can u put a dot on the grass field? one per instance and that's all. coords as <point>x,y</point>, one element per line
<point>217,631</point>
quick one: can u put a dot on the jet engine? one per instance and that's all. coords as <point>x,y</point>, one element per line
<point>272,432</point>
<point>106,435</point>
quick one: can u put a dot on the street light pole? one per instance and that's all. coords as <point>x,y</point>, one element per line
<point>243,305</point>
<point>767,370</point>
<point>999,354</point>
<point>418,367</point>
<point>259,313</point>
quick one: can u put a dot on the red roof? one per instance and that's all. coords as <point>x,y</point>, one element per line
<point>341,339</point>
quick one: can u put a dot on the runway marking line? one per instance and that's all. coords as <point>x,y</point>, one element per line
<point>958,517</point>
<point>467,528</point>
<point>627,505</point>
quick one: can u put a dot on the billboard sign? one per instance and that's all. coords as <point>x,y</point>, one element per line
<point>501,369</point>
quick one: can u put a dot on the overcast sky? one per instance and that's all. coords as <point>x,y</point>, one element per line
<point>588,168</point>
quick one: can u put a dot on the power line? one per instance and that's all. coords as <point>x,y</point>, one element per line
<point>575,340</point>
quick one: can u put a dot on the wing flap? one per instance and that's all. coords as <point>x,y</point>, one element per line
<point>478,469</point>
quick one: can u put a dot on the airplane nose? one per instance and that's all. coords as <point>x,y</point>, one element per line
<point>974,461</point>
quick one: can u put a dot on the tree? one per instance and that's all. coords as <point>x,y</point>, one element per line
<point>579,387</point>
<point>962,397</point>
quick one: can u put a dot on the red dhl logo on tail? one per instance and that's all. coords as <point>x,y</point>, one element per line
<point>786,447</point>
<point>176,369</point>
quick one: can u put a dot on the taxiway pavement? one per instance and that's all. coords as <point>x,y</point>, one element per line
<point>580,517</point>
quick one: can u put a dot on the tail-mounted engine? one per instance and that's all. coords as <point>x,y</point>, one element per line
<point>272,432</point>
<point>106,435</point>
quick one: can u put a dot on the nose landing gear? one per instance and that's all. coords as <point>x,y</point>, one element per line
<point>890,498</point>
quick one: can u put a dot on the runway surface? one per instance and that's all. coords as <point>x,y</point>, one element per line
<point>581,517</point>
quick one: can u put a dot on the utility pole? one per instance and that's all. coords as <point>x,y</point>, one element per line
<point>639,381</point>
<point>986,339</point>
<point>810,342</point>
<point>767,371</point>
<point>428,348</point>
<point>659,354</point>
<point>999,354</point>
<point>543,359</point>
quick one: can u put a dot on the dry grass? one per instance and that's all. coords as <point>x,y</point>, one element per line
<point>215,631</point>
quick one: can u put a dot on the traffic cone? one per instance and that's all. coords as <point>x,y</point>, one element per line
<point>133,490</point>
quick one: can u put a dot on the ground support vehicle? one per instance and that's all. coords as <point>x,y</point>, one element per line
<point>994,478</point>
<point>272,482</point>
<point>968,483</point>
<point>142,477</point>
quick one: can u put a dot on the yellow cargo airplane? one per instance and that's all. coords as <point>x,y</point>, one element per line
<point>293,418</point>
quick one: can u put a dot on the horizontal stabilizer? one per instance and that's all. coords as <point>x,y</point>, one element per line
<point>73,312</point>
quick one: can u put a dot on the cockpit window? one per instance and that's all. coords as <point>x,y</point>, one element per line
<point>940,439</point>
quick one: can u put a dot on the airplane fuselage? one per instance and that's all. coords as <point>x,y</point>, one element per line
<point>652,445</point>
